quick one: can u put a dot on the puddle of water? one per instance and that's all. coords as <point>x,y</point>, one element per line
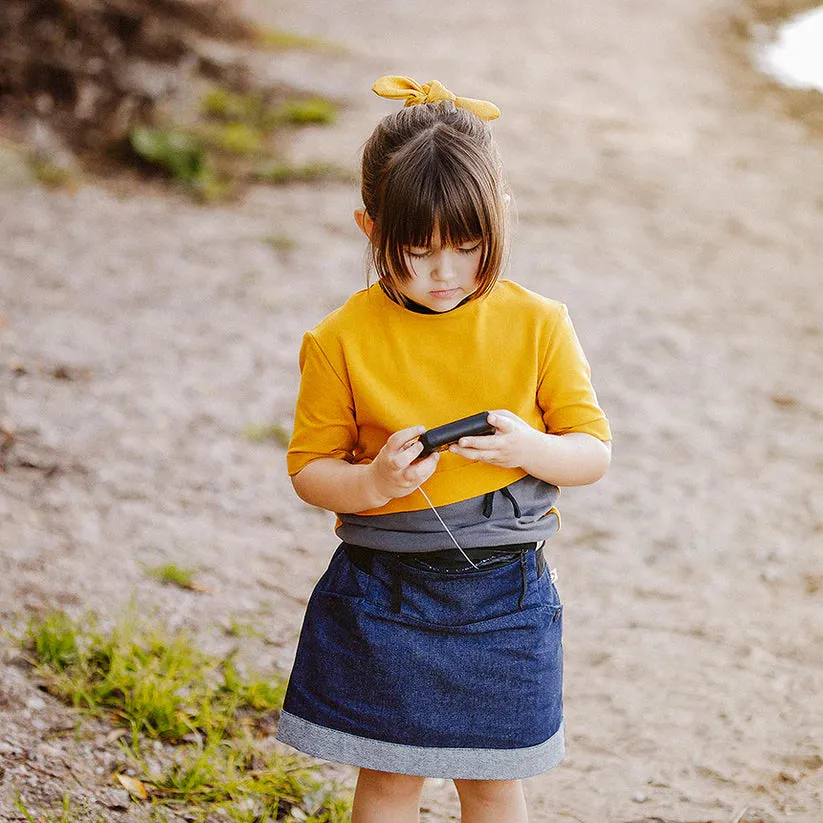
<point>795,57</point>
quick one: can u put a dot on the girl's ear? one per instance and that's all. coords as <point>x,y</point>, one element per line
<point>364,221</point>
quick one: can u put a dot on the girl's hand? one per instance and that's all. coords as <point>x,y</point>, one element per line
<point>393,471</point>
<point>510,446</point>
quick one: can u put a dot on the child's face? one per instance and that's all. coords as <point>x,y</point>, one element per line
<point>443,275</point>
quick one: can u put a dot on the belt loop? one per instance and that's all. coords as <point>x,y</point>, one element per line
<point>396,586</point>
<point>523,580</point>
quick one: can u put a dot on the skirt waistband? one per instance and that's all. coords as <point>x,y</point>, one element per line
<point>448,561</point>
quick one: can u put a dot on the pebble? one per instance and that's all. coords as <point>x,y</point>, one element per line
<point>36,704</point>
<point>115,799</point>
<point>639,797</point>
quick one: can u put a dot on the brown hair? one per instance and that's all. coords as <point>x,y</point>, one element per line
<point>430,167</point>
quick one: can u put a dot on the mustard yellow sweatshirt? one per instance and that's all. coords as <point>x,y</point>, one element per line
<point>373,367</point>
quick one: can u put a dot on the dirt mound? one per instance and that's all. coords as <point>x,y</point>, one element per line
<point>92,69</point>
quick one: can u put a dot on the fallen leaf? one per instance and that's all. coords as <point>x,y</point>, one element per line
<point>133,786</point>
<point>784,401</point>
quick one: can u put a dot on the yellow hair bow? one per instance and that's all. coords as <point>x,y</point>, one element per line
<point>404,88</point>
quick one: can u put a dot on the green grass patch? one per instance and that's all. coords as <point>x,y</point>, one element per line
<point>279,173</point>
<point>235,138</point>
<point>156,684</point>
<point>259,110</point>
<point>227,105</point>
<point>173,575</point>
<point>313,111</point>
<point>184,156</point>
<point>277,39</point>
<point>267,431</point>
<point>66,813</point>
<point>54,640</point>
<point>281,243</point>
<point>231,139</point>
<point>50,174</point>
<point>217,718</point>
<point>236,628</point>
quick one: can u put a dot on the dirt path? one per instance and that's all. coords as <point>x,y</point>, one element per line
<point>681,223</point>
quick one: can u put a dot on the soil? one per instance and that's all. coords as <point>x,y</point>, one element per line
<point>662,192</point>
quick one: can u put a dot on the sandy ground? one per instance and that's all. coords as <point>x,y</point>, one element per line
<point>662,197</point>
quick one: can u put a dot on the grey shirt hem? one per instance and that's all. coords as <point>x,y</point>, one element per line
<point>520,513</point>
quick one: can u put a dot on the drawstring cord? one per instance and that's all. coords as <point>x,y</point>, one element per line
<point>442,523</point>
<point>510,497</point>
<point>397,580</point>
<point>488,503</point>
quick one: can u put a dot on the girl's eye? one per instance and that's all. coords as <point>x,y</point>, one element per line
<point>421,252</point>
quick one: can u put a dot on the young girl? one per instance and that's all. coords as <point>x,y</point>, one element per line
<point>431,646</point>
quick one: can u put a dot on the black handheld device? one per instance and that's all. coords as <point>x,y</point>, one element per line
<point>440,438</point>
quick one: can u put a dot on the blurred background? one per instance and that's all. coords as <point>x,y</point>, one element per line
<point>177,182</point>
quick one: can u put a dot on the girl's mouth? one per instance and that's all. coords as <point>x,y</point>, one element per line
<point>445,294</point>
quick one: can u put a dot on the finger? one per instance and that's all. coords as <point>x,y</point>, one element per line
<point>404,437</point>
<point>483,443</point>
<point>422,470</point>
<point>471,454</point>
<point>501,422</point>
<point>409,453</point>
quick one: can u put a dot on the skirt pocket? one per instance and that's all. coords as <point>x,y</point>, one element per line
<point>402,593</point>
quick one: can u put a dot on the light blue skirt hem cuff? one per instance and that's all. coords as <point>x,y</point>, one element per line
<point>460,763</point>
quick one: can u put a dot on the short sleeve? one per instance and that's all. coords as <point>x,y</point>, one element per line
<point>324,424</point>
<point>565,392</point>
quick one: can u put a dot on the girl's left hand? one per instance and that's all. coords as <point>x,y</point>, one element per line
<point>509,447</point>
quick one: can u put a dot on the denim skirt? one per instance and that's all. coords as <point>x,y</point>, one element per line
<point>415,670</point>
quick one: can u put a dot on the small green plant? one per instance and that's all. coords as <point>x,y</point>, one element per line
<point>279,173</point>
<point>233,137</point>
<point>305,112</point>
<point>250,785</point>
<point>237,629</point>
<point>178,152</point>
<point>281,243</point>
<point>54,641</point>
<point>66,814</point>
<point>50,174</point>
<point>173,575</point>
<point>183,155</point>
<point>278,39</point>
<point>255,109</point>
<point>226,105</point>
<point>267,431</point>
<point>261,694</point>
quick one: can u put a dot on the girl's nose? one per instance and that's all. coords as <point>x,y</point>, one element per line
<point>445,265</point>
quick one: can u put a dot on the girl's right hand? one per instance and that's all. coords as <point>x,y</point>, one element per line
<point>394,472</point>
